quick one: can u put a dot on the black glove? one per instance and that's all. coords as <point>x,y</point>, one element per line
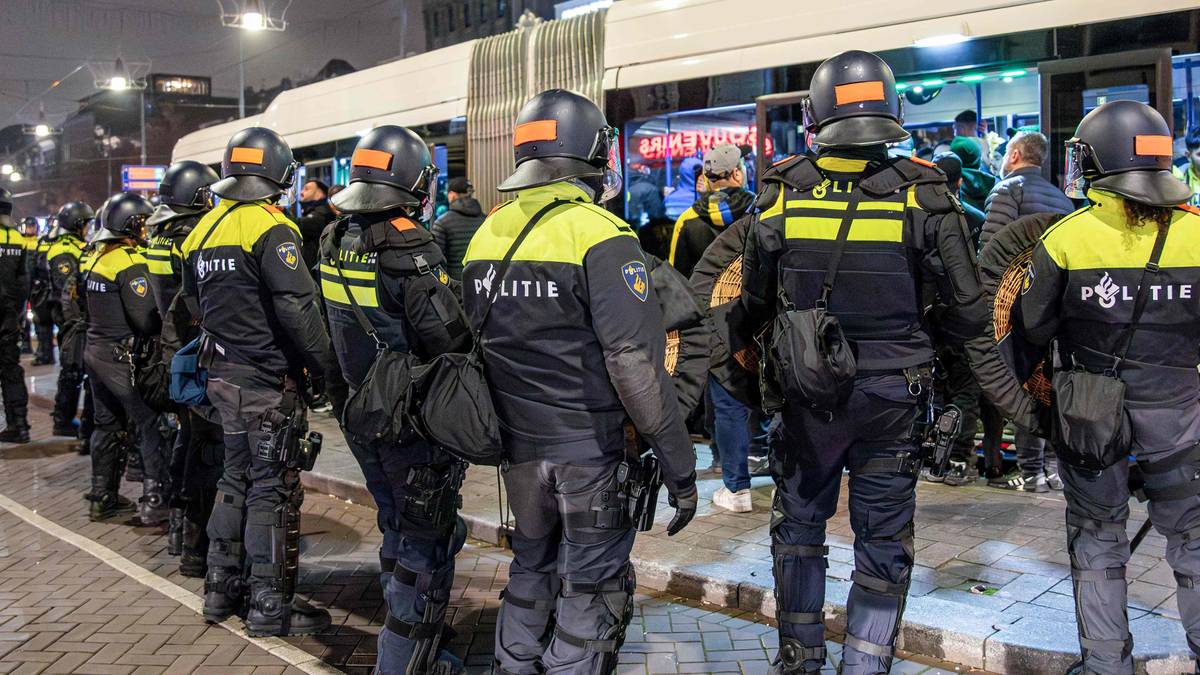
<point>684,502</point>
<point>315,386</point>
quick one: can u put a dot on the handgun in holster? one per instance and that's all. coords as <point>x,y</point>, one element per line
<point>942,439</point>
<point>641,479</point>
<point>434,499</point>
<point>286,439</point>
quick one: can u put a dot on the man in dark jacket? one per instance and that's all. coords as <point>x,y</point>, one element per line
<point>453,231</point>
<point>727,200</point>
<point>1022,192</point>
<point>315,214</point>
<point>976,180</point>
<point>952,166</point>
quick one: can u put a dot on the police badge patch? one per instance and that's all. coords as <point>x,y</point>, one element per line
<point>139,286</point>
<point>64,268</point>
<point>636,279</point>
<point>288,254</point>
<point>1027,283</point>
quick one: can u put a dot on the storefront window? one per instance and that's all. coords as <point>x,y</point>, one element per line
<point>663,158</point>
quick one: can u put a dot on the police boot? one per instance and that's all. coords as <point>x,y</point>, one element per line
<point>65,427</point>
<point>794,657</point>
<point>133,467</point>
<point>223,594</point>
<point>175,532</point>
<point>153,504</point>
<point>193,558</point>
<point>85,446</point>
<point>17,430</point>
<point>106,502</point>
<point>274,613</point>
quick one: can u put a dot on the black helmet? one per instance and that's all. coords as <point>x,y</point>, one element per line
<point>258,164</point>
<point>123,216</point>
<point>29,226</point>
<point>391,167</point>
<point>560,135</point>
<point>6,207</point>
<point>183,190</point>
<point>73,217</point>
<point>852,101</point>
<point>1125,147</point>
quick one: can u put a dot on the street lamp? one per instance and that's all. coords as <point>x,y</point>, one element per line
<point>251,16</point>
<point>6,169</point>
<point>15,176</point>
<point>122,76</point>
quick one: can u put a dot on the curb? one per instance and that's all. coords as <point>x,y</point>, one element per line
<point>935,628</point>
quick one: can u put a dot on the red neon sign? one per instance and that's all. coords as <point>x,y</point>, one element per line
<point>697,141</point>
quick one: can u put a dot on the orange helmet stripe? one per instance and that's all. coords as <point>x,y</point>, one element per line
<point>372,159</point>
<point>857,92</point>
<point>246,155</point>
<point>541,130</point>
<point>1152,146</point>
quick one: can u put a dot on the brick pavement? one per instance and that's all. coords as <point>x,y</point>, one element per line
<point>63,610</point>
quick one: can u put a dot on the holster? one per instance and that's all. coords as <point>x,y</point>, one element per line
<point>434,500</point>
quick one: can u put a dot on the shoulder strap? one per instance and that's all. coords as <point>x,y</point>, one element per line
<point>503,269</point>
<point>839,247</point>
<point>204,239</point>
<point>1143,293</point>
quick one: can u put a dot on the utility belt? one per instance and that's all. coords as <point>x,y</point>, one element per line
<point>433,500</point>
<point>934,430</point>
<point>285,435</point>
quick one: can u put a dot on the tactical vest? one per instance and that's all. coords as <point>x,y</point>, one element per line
<point>12,260</point>
<point>878,294</point>
<point>379,264</point>
<point>164,259</point>
<point>104,276</point>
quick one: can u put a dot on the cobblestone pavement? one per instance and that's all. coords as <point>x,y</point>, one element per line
<point>85,597</point>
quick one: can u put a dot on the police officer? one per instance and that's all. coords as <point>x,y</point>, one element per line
<point>902,230</point>
<point>261,330</point>
<point>574,347</point>
<point>39,296</point>
<point>120,308</point>
<point>1082,291</point>
<point>13,285</point>
<point>195,464</point>
<point>62,264</point>
<point>369,260</point>
<point>29,239</point>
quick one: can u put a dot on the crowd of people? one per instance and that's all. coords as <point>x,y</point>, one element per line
<point>203,328</point>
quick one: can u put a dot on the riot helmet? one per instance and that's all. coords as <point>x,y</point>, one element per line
<point>1124,147</point>
<point>123,216</point>
<point>183,190</point>
<point>391,168</point>
<point>6,207</point>
<point>852,101</point>
<point>73,218</point>
<point>561,135</point>
<point>29,226</point>
<point>258,164</point>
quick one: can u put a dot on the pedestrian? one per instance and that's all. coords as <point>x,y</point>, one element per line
<point>120,309</point>
<point>724,169</point>
<point>14,284</point>
<point>1025,191</point>
<point>195,458</point>
<point>62,264</point>
<point>453,231</point>
<point>1109,288</point>
<point>375,265</point>
<point>951,165</point>
<point>1189,172</point>
<point>859,235</point>
<point>575,346</point>
<point>976,181</point>
<point>315,214</point>
<point>264,344</point>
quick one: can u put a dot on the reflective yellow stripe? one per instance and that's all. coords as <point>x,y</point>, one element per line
<point>842,164</point>
<point>336,292</point>
<point>159,267</point>
<point>861,229</point>
<point>911,200</point>
<point>349,274</point>
<point>881,206</point>
<point>775,208</point>
<point>817,204</point>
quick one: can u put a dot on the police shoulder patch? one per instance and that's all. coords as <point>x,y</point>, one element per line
<point>64,268</point>
<point>139,286</point>
<point>1027,283</point>
<point>442,276</point>
<point>288,254</point>
<point>636,278</point>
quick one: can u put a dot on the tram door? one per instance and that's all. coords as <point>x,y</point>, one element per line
<point>1071,88</point>
<point>780,123</point>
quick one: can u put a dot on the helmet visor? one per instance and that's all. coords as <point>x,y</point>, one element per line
<point>1074,184</point>
<point>608,146</point>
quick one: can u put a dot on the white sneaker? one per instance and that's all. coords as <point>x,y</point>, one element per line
<point>738,502</point>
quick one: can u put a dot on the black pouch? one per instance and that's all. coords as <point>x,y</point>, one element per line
<point>1091,428</point>
<point>376,410</point>
<point>813,362</point>
<point>152,376</point>
<point>451,406</point>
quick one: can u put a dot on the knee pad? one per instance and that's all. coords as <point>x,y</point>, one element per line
<point>283,524</point>
<point>616,594</point>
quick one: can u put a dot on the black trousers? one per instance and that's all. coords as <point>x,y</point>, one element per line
<point>12,375</point>
<point>115,401</point>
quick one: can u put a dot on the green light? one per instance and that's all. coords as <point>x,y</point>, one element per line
<point>900,86</point>
<point>974,78</point>
<point>1013,73</point>
<point>933,83</point>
